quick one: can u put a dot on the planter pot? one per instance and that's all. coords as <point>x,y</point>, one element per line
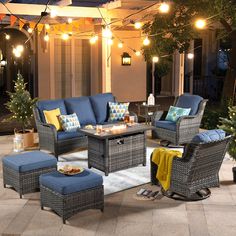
<point>234,174</point>
<point>28,137</point>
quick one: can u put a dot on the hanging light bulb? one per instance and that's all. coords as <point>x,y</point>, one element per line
<point>146,41</point>
<point>94,39</point>
<point>53,13</point>
<point>200,23</point>
<point>137,53</point>
<point>106,33</point>
<point>164,8</point>
<point>138,25</point>
<point>120,45</point>
<point>190,56</point>
<point>20,48</point>
<point>69,20</point>
<point>155,59</point>
<point>65,36</point>
<point>7,36</point>
<point>16,52</point>
<point>110,41</point>
<point>30,30</point>
<point>47,26</point>
<point>46,37</point>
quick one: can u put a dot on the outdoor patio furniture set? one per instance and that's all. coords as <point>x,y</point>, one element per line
<point>109,152</point>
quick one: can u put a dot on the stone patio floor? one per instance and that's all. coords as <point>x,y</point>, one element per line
<point>123,214</point>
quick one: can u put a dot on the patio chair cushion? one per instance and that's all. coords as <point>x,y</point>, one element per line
<point>63,184</point>
<point>29,161</point>
<point>64,135</point>
<point>166,124</point>
<point>100,106</point>
<point>209,136</point>
<point>50,105</point>
<point>83,109</point>
<point>175,113</point>
<point>189,101</point>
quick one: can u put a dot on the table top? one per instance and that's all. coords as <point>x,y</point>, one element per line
<point>136,128</point>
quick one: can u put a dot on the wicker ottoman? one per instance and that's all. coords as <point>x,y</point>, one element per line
<point>22,171</point>
<point>67,195</point>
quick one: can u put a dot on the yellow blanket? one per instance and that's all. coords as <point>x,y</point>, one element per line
<point>163,158</point>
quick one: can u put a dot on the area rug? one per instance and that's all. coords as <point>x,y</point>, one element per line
<point>116,181</point>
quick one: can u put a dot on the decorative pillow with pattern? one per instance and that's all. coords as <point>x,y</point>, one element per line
<point>69,123</point>
<point>175,113</point>
<point>117,111</point>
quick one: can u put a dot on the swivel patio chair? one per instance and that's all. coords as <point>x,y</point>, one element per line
<point>197,170</point>
<point>186,127</point>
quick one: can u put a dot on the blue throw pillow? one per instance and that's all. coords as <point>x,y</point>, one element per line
<point>209,136</point>
<point>175,113</point>
<point>69,123</point>
<point>118,110</point>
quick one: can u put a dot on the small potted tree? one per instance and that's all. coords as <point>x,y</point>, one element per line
<point>21,107</point>
<point>229,126</point>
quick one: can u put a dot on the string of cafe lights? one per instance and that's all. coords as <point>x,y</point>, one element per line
<point>163,7</point>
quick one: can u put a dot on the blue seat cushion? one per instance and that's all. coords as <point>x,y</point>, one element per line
<point>209,136</point>
<point>64,135</point>
<point>101,107</point>
<point>50,105</point>
<point>166,124</point>
<point>189,101</point>
<point>83,109</point>
<point>29,161</point>
<point>63,184</point>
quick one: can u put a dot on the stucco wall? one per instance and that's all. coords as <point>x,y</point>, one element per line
<point>128,83</point>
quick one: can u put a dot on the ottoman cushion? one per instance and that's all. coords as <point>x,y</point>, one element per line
<point>29,161</point>
<point>63,184</point>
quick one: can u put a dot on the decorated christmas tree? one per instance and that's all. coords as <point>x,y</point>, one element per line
<point>21,104</point>
<point>229,126</point>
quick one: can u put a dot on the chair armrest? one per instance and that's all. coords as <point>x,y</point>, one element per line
<point>157,116</point>
<point>47,130</point>
<point>188,120</point>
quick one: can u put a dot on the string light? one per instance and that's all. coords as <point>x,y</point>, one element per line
<point>155,59</point>
<point>137,53</point>
<point>110,41</point>
<point>164,8</point>
<point>146,41</point>
<point>53,13</point>
<point>106,33</point>
<point>47,26</point>
<point>69,20</point>
<point>190,56</point>
<point>30,30</point>
<point>120,45</point>
<point>46,37</point>
<point>94,39</point>
<point>7,36</point>
<point>16,52</point>
<point>20,48</point>
<point>138,25</point>
<point>200,23</point>
<point>65,36</point>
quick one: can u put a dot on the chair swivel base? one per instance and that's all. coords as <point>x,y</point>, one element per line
<point>198,196</point>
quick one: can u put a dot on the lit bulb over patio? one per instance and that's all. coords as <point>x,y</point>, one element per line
<point>106,33</point>
<point>94,39</point>
<point>65,36</point>
<point>164,8</point>
<point>53,13</point>
<point>137,53</point>
<point>20,48</point>
<point>138,25</point>
<point>7,36</point>
<point>120,45</point>
<point>190,56</point>
<point>110,41</point>
<point>200,24</point>
<point>70,20</point>
<point>46,37</point>
<point>30,30</point>
<point>155,59</point>
<point>146,41</point>
<point>47,26</point>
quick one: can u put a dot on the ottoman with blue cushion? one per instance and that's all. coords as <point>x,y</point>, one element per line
<point>67,195</point>
<point>22,171</point>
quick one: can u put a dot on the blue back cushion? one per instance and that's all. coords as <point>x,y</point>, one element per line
<point>50,105</point>
<point>209,136</point>
<point>83,109</point>
<point>189,101</point>
<point>100,106</point>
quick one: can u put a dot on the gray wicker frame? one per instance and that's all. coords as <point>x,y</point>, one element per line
<point>186,127</point>
<point>198,168</point>
<point>25,182</point>
<point>48,138</point>
<point>68,205</point>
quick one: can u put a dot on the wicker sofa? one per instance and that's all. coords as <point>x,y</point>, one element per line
<point>89,109</point>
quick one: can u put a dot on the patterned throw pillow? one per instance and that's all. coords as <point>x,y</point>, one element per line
<point>175,113</point>
<point>118,110</point>
<point>69,123</point>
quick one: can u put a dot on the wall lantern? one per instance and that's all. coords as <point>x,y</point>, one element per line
<point>125,59</point>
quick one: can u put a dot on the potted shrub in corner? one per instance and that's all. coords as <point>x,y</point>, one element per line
<point>21,107</point>
<point>229,126</point>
